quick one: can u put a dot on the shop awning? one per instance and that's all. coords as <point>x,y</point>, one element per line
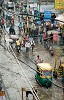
<point>60,18</point>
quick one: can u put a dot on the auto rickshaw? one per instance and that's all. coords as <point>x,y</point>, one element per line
<point>44,74</point>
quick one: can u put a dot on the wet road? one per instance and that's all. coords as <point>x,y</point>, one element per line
<point>53,93</point>
<point>14,79</point>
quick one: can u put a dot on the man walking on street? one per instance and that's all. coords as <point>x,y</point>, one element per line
<point>32,45</point>
<point>38,60</point>
<point>27,45</point>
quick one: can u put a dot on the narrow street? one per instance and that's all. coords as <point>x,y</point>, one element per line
<point>14,79</point>
<point>18,70</point>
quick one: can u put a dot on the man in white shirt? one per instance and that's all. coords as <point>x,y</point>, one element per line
<point>27,45</point>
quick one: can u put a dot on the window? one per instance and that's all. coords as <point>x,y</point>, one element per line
<point>47,73</point>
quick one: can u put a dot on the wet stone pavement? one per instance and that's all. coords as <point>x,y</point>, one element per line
<point>14,79</point>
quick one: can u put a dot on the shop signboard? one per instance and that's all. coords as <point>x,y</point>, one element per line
<point>47,15</point>
<point>59,4</point>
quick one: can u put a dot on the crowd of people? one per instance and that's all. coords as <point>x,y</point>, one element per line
<point>28,42</point>
<point>55,38</point>
<point>25,42</point>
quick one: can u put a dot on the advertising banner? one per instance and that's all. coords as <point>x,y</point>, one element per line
<point>59,4</point>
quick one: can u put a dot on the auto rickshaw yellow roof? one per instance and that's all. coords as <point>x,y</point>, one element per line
<point>44,66</point>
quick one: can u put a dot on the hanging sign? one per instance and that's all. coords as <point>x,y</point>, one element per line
<point>59,4</point>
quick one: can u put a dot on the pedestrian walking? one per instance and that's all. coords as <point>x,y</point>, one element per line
<point>27,37</point>
<point>24,27</point>
<point>18,45</point>
<point>59,39</point>
<point>32,45</point>
<point>12,30</point>
<point>27,45</point>
<point>20,27</point>
<point>38,60</point>
<point>2,23</point>
<point>40,37</point>
<point>18,42</point>
<point>44,39</point>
